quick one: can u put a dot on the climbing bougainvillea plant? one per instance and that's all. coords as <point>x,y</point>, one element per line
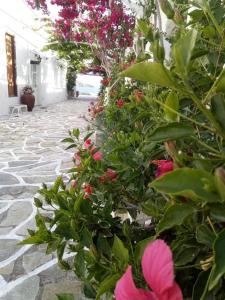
<point>105,25</point>
<point>144,209</point>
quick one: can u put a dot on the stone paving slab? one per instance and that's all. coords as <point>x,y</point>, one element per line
<point>31,153</point>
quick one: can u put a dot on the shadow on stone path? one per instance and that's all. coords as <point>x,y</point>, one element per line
<point>31,153</point>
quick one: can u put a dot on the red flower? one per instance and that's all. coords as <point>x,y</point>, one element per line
<point>120,103</point>
<point>88,189</point>
<point>97,155</point>
<point>164,166</point>
<point>87,143</point>
<point>111,174</point>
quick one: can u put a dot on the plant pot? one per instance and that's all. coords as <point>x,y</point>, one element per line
<point>29,100</point>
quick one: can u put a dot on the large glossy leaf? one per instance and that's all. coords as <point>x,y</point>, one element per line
<point>182,51</point>
<point>218,269</point>
<point>107,284</point>
<point>151,72</point>
<point>174,215</point>
<point>173,131</point>
<point>195,184</point>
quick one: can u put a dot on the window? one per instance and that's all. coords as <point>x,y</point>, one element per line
<point>11,65</point>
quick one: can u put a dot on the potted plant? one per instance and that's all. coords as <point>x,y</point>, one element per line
<point>27,97</point>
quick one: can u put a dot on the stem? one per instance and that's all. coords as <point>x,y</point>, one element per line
<point>207,114</point>
<point>189,266</point>
<point>211,225</point>
<point>183,116</point>
<point>207,146</point>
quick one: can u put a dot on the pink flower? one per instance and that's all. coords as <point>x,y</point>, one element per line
<point>120,103</point>
<point>87,143</point>
<point>97,155</point>
<point>157,267</point>
<point>164,166</point>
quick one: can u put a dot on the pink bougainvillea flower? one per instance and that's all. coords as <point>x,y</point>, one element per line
<point>97,155</point>
<point>157,267</point>
<point>164,166</point>
<point>120,103</point>
<point>111,174</point>
<point>87,143</point>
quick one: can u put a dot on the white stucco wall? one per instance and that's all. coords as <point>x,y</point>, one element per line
<point>18,19</point>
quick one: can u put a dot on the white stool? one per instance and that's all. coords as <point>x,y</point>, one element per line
<point>18,109</point>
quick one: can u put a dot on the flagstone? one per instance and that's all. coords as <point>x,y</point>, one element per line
<point>17,213</point>
<point>7,179</point>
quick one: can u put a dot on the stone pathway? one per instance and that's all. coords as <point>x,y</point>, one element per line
<point>31,153</point>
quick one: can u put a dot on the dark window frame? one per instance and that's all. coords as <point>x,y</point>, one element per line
<point>11,64</point>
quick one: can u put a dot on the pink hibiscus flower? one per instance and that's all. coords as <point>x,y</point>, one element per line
<point>157,267</point>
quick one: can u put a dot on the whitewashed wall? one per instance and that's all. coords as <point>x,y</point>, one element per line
<point>18,19</point>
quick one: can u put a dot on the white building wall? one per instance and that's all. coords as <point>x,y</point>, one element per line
<point>17,19</point>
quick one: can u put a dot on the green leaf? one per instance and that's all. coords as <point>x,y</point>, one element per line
<point>151,209</point>
<point>79,264</point>
<point>107,284</point>
<point>172,101</point>
<point>152,72</point>
<point>174,215</point>
<point>67,140</point>
<point>145,28</point>
<point>204,235</point>
<point>217,212</point>
<point>220,82</point>
<point>200,285</point>
<point>86,238</point>
<point>57,184</point>
<point>218,269</point>
<point>173,131</point>
<point>120,251</point>
<point>89,291</point>
<point>185,255</point>
<point>65,296</point>
<point>195,184</point>
<point>182,51</point>
<point>140,247</point>
<point>218,108</point>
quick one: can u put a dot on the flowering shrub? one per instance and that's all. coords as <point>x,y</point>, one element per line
<point>107,26</point>
<point>159,173</point>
